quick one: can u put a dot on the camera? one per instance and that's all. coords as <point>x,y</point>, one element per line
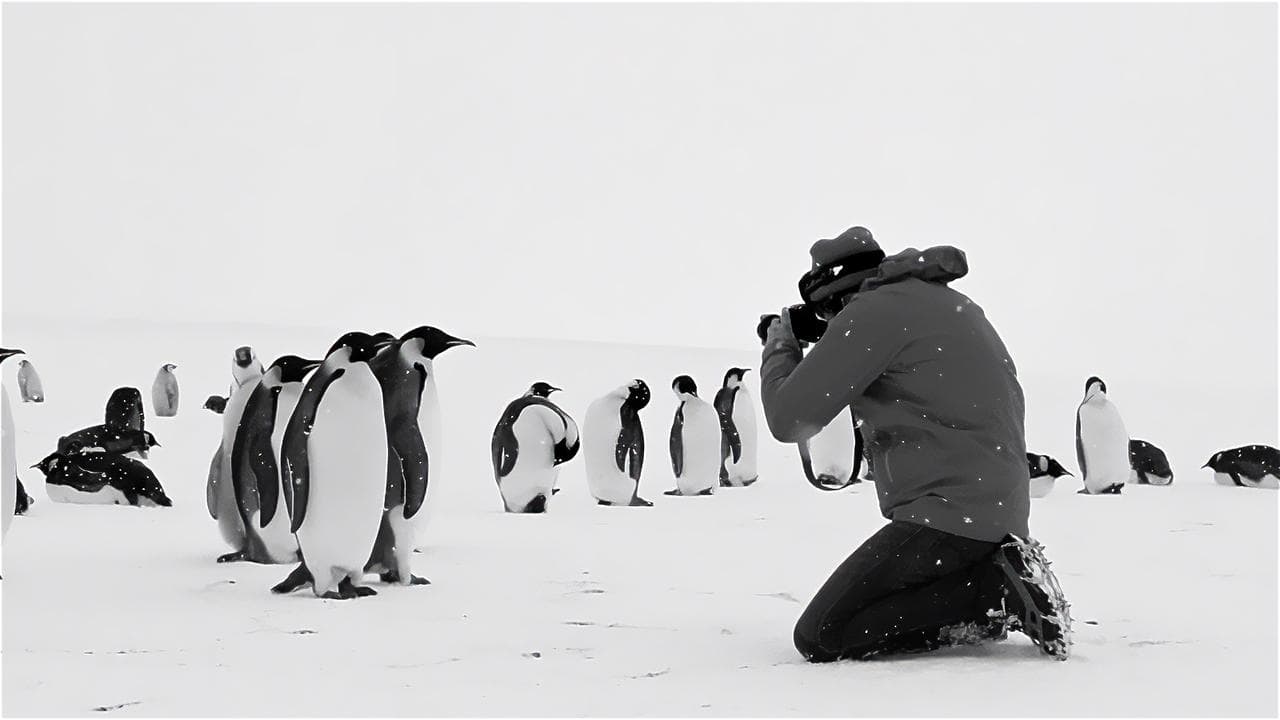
<point>805,323</point>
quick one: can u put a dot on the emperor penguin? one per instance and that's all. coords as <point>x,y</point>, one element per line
<point>164,391</point>
<point>613,445</point>
<point>695,441</point>
<point>405,369</point>
<point>105,439</point>
<point>738,431</point>
<point>1102,443</point>
<point>533,438</point>
<point>255,460</point>
<point>831,458</point>
<point>1044,471</point>
<point>1149,464</point>
<point>8,456</point>
<point>29,385</point>
<point>335,459</point>
<point>124,409</point>
<point>1255,466</point>
<point>101,479</point>
<point>246,372</point>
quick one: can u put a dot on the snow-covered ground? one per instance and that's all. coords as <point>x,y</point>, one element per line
<point>683,609</point>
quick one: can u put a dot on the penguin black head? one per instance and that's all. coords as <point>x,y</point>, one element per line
<point>363,346</point>
<point>637,394</point>
<point>734,376</point>
<point>434,340</point>
<point>684,385</point>
<point>293,368</point>
<point>48,464</point>
<point>244,356</point>
<point>1213,462</point>
<point>1095,381</point>
<point>6,353</point>
<point>541,389</point>
<point>1055,468</point>
<point>150,439</point>
<point>170,367</point>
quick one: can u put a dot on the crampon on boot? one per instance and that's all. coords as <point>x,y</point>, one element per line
<point>1035,605</point>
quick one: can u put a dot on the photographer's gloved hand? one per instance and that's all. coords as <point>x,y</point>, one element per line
<point>780,334</point>
<point>762,327</point>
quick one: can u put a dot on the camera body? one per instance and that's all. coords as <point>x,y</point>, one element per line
<point>805,323</point>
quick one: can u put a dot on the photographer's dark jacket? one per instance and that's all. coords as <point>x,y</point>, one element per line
<point>936,390</point>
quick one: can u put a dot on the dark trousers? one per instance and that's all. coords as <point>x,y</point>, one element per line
<point>896,591</point>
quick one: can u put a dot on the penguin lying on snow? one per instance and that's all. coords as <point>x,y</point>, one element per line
<point>1044,470</point>
<point>101,479</point>
<point>695,441</point>
<point>1256,466</point>
<point>613,445</point>
<point>533,438</point>
<point>1102,443</point>
<point>107,439</point>
<point>1149,464</point>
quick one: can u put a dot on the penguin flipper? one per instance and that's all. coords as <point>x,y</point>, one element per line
<point>246,457</point>
<point>411,451</point>
<point>566,450</point>
<point>635,452</point>
<point>729,431</point>
<point>857,448</point>
<point>677,442</point>
<point>294,445</point>
<point>1084,469</point>
<point>211,487</point>
<point>505,447</point>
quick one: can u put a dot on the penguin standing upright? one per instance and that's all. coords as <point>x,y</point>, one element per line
<point>255,460</point>
<point>335,463</point>
<point>738,430</point>
<point>1044,472</point>
<point>164,391</point>
<point>695,441</point>
<point>8,455</point>
<point>613,445</point>
<point>831,457</point>
<point>1102,443</point>
<point>124,409</point>
<point>533,438</point>
<point>246,372</point>
<point>405,370</point>
<point>29,385</point>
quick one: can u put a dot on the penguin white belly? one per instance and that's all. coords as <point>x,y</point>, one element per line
<point>8,463</point>
<point>347,478</point>
<point>1268,482</point>
<point>535,472</point>
<point>744,419</point>
<point>1041,486</point>
<point>276,537</point>
<point>230,524</point>
<point>1223,479</point>
<point>1105,444</point>
<point>700,440</point>
<point>431,425</point>
<point>67,494</point>
<point>601,429</point>
<point>831,450</point>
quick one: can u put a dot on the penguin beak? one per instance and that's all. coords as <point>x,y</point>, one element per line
<point>310,365</point>
<point>554,389</point>
<point>455,342</point>
<point>5,353</point>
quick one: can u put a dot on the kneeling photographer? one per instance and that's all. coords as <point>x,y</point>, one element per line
<point>942,414</point>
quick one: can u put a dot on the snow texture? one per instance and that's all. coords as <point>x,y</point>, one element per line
<point>682,609</point>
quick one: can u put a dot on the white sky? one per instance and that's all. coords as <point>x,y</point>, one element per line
<point>650,173</point>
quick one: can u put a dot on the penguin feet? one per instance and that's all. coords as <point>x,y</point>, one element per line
<point>237,556</point>
<point>299,577</point>
<point>555,490</point>
<point>752,481</point>
<point>394,577</point>
<point>673,491</point>
<point>350,589</point>
<point>640,502</point>
<point>605,503</point>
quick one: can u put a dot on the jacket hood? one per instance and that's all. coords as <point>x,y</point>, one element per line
<point>940,264</point>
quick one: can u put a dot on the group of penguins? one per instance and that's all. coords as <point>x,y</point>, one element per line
<point>1109,458</point>
<point>327,462</point>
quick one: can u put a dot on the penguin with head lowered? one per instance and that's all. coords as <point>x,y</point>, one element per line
<point>738,431</point>
<point>220,492</point>
<point>1102,443</point>
<point>1148,464</point>
<point>8,456</point>
<point>101,479</point>
<point>533,438</point>
<point>164,391</point>
<point>613,445</point>
<point>411,406</point>
<point>255,461</point>
<point>335,459</point>
<point>1255,466</point>
<point>695,441</point>
<point>1044,471</point>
